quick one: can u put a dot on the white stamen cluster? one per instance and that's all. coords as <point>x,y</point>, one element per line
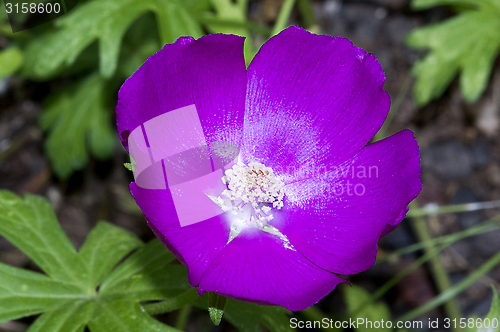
<point>256,185</point>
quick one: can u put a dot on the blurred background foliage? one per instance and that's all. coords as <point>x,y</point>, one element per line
<point>92,49</point>
<point>100,43</point>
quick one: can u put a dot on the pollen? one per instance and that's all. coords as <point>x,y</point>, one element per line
<point>252,193</point>
<point>254,184</point>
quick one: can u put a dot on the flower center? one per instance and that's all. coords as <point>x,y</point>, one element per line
<point>252,192</point>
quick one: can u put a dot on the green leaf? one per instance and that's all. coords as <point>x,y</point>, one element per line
<point>73,118</point>
<point>147,275</point>
<point>11,60</point>
<point>71,317</point>
<point>174,303</point>
<point>68,298</point>
<point>24,293</point>
<point>467,43</point>
<point>31,225</point>
<point>249,317</point>
<point>426,4</point>
<point>107,21</point>
<point>355,297</point>
<point>494,313</point>
<point>116,242</point>
<point>455,290</point>
<point>124,316</point>
<point>3,12</point>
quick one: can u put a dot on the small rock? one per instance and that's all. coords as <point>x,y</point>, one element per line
<point>481,154</point>
<point>398,27</point>
<point>399,238</point>
<point>4,86</point>
<point>471,218</point>
<point>332,7</point>
<point>448,161</point>
<point>487,244</point>
<point>362,23</point>
<point>465,249</point>
<point>494,173</point>
<point>381,13</point>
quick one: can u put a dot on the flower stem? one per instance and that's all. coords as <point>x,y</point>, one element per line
<point>397,278</point>
<point>283,16</point>
<point>307,14</point>
<point>169,305</point>
<point>427,210</point>
<point>182,317</point>
<point>437,268</point>
<point>63,3</point>
<point>455,290</point>
<point>483,227</point>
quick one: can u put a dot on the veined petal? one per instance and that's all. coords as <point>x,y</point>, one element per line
<point>195,245</point>
<point>336,218</point>
<point>311,100</point>
<point>257,267</point>
<point>209,72</point>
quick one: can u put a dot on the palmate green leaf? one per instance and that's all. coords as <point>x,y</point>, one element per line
<point>467,43</point>
<point>69,297</point>
<point>355,297</point>
<point>24,293</point>
<point>78,117</point>
<point>147,275</point>
<point>107,21</point>
<point>31,225</point>
<point>110,239</point>
<point>71,317</point>
<point>122,315</point>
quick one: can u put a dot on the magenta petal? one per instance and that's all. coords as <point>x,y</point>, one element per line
<point>195,245</point>
<point>257,267</point>
<point>339,231</point>
<point>209,72</point>
<point>311,100</point>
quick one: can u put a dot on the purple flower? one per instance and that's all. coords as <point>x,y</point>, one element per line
<point>310,197</point>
